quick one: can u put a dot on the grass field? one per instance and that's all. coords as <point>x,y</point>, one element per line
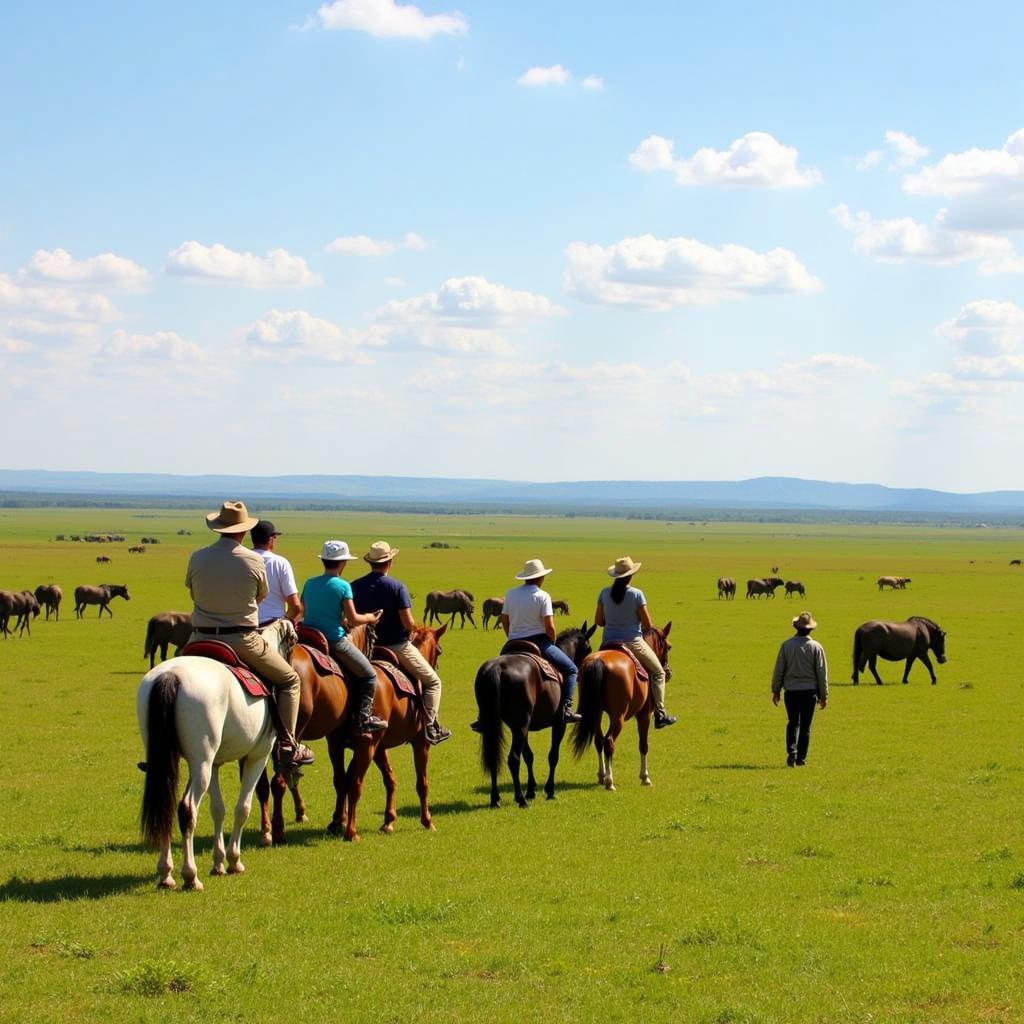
<point>883,882</point>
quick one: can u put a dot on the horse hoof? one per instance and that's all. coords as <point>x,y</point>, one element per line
<point>429,826</point>
<point>646,782</point>
<point>549,796</point>
<point>238,868</point>
<point>495,803</point>
<point>167,883</point>
<point>301,819</point>
<point>354,838</point>
<point>192,885</point>
<point>217,870</point>
<point>387,829</point>
<point>281,840</point>
<point>610,786</point>
<point>334,829</point>
<point>266,839</point>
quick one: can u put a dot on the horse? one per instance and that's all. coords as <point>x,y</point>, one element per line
<point>511,690</point>
<point>194,707</point>
<point>562,607</point>
<point>492,609</point>
<point>49,595</point>
<point>892,582</point>
<point>102,558</point>
<point>609,685</point>
<point>894,641</point>
<point>136,549</point>
<point>1014,561</point>
<point>166,628</point>
<point>449,602</point>
<point>23,605</point>
<point>726,588</point>
<point>766,587</point>
<point>794,587</point>
<point>101,595</point>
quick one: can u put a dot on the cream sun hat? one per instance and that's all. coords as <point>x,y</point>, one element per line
<point>336,551</point>
<point>805,620</point>
<point>533,569</point>
<point>233,517</point>
<point>380,551</point>
<point>624,566</point>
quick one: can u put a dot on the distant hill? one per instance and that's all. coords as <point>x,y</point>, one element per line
<point>587,496</point>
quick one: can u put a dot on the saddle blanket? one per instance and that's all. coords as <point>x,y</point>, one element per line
<point>528,649</point>
<point>403,685</point>
<point>324,664</point>
<point>641,673</point>
<point>218,651</point>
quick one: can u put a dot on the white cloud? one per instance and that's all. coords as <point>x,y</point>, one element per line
<point>555,74</point>
<point>363,245</point>
<point>903,239</point>
<point>295,335</point>
<point>53,305</point>
<point>387,19</point>
<point>60,267</point>
<point>903,150</point>
<point>662,274</point>
<point>161,346</point>
<point>757,160</point>
<point>595,82</point>
<point>278,269</point>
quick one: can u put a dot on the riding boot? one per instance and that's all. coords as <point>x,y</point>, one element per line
<point>367,720</point>
<point>436,733</point>
<point>568,715</point>
<point>662,718</point>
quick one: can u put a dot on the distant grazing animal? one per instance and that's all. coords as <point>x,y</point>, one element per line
<point>102,558</point>
<point>22,604</point>
<point>60,536</point>
<point>562,607</point>
<point>101,595</point>
<point>794,587</point>
<point>1014,561</point>
<point>492,610</point>
<point>136,549</point>
<point>75,536</point>
<point>895,641</point>
<point>449,602</point>
<point>164,629</point>
<point>765,587</point>
<point>29,610</point>
<point>893,582</point>
<point>726,588</point>
<point>49,595</point>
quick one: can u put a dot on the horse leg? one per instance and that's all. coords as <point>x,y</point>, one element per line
<point>531,780</point>
<point>188,811</point>
<point>278,788</point>
<point>252,771</point>
<point>614,728</point>
<point>557,732</point>
<point>873,665</point>
<point>387,772</point>
<point>336,750</point>
<point>515,753</point>
<point>298,805</point>
<point>263,796</point>
<point>643,729</point>
<point>217,812</point>
<point>421,757</point>
<point>599,746</point>
<point>361,758</point>
<point>926,661</point>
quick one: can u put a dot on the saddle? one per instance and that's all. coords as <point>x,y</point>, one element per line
<point>531,650</point>
<point>319,651</point>
<point>387,661</point>
<point>219,651</point>
<point>642,674</point>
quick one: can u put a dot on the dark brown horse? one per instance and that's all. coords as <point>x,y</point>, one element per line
<point>492,610</point>
<point>164,629</point>
<point>22,604</point>
<point>101,595</point>
<point>562,607</point>
<point>609,685</point>
<point>794,587</point>
<point>449,602</point>
<point>765,587</point>
<point>895,641</point>
<point>511,690</point>
<point>726,588</point>
<point>49,595</point>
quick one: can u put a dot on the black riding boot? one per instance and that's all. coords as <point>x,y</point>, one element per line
<point>367,720</point>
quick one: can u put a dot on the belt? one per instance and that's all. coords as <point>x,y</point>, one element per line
<point>269,622</point>
<point>221,630</point>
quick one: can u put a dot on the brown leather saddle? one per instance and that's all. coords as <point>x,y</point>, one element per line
<point>219,651</point>
<point>641,673</point>
<point>387,661</point>
<point>531,650</point>
<point>319,651</point>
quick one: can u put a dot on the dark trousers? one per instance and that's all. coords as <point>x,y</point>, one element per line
<point>800,706</point>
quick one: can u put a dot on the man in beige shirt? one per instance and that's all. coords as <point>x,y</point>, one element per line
<point>227,582</point>
<point>801,669</point>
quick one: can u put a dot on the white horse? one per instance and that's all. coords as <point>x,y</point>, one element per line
<point>195,708</point>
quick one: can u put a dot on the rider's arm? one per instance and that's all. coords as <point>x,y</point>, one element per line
<point>645,618</point>
<point>405,617</point>
<point>354,618</point>
<point>293,607</point>
<point>504,623</point>
<point>549,626</point>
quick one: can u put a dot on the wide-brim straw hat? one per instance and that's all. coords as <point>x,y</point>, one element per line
<point>805,620</point>
<point>533,569</point>
<point>380,551</point>
<point>624,566</point>
<point>336,551</point>
<point>233,517</point>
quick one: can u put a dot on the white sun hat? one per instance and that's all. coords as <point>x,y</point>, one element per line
<point>336,551</point>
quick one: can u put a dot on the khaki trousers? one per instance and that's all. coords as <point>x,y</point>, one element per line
<point>419,668</point>
<point>268,664</point>
<point>649,660</point>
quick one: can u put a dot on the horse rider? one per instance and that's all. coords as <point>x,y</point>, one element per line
<point>801,669</point>
<point>379,591</point>
<point>283,599</point>
<point>622,610</point>
<point>527,615</point>
<point>227,581</point>
<point>326,599</point>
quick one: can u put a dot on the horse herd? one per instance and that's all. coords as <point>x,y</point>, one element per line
<point>767,585</point>
<point>25,605</point>
<point>440,603</point>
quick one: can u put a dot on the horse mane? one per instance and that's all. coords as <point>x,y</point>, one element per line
<point>927,622</point>
<point>417,633</point>
<point>571,631</point>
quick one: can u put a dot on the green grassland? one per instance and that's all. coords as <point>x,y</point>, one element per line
<point>883,882</point>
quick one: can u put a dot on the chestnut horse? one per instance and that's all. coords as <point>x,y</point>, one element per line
<point>608,683</point>
<point>510,690</point>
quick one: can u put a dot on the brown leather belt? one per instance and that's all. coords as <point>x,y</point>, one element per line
<point>222,630</point>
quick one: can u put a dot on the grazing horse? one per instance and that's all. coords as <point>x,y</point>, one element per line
<point>22,604</point>
<point>794,587</point>
<point>1014,561</point>
<point>449,602</point>
<point>895,641</point>
<point>101,595</point>
<point>103,558</point>
<point>164,629</point>
<point>194,708</point>
<point>892,582</point>
<point>765,587</point>
<point>511,690</point>
<point>609,685</point>
<point>49,595</point>
<point>562,607</point>
<point>492,610</point>
<point>726,588</point>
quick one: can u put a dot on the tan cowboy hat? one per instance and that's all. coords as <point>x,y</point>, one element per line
<point>533,569</point>
<point>380,551</point>
<point>805,620</point>
<point>624,566</point>
<point>233,517</point>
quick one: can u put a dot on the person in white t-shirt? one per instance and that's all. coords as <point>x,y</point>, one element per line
<point>282,600</point>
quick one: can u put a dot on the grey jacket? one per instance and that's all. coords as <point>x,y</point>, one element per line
<point>801,665</point>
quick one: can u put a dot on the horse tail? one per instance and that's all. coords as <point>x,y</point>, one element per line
<point>857,642</point>
<point>150,647</point>
<point>162,762</point>
<point>492,728</point>
<point>591,690</point>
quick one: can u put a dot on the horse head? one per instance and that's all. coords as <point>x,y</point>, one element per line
<point>428,642</point>
<point>576,642</point>
<point>658,641</point>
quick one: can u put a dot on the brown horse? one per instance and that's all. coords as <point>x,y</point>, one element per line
<point>609,685</point>
<point>49,595</point>
<point>164,629</point>
<point>895,641</point>
<point>562,607</point>
<point>101,595</point>
<point>449,602</point>
<point>726,588</point>
<point>492,610</point>
<point>511,690</point>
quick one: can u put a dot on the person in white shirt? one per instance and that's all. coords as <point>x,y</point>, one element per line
<point>282,600</point>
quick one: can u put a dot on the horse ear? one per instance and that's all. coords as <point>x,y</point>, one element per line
<point>668,628</point>
<point>438,633</point>
<point>590,632</point>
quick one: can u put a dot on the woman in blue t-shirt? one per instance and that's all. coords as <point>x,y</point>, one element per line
<point>622,610</point>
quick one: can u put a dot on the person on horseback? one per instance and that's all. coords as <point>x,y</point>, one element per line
<point>527,615</point>
<point>283,598</point>
<point>379,591</point>
<point>622,610</point>
<point>227,582</point>
<point>327,598</point>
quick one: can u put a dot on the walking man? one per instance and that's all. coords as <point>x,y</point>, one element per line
<point>282,600</point>
<point>379,591</point>
<point>227,581</point>
<point>802,671</point>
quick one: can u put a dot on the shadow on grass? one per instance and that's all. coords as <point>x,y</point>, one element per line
<point>449,807</point>
<point>738,766</point>
<point>69,887</point>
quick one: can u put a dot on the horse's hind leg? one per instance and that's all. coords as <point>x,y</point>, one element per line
<point>387,773</point>
<point>188,811</point>
<point>336,750</point>
<point>252,770</point>
<point>520,736</point>
<point>263,796</point>
<point>873,665</point>
<point>614,728</point>
<point>217,812</point>
<point>557,732</point>
<point>421,756</point>
<point>599,746</point>
<point>643,728</point>
<point>531,779</point>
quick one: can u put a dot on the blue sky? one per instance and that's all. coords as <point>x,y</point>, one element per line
<point>542,241</point>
